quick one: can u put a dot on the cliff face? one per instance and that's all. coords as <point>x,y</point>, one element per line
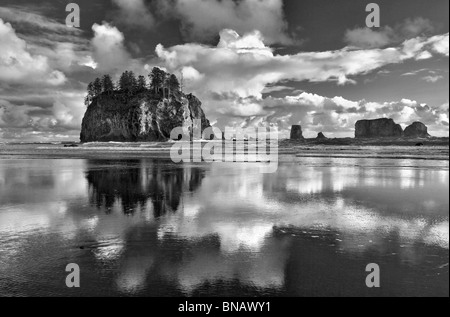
<point>380,128</point>
<point>143,118</point>
<point>417,130</point>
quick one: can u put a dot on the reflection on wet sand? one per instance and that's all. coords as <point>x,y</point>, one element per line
<point>165,229</point>
<point>133,184</point>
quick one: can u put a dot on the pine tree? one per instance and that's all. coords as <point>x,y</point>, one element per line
<point>173,83</point>
<point>107,85</point>
<point>133,84</point>
<point>90,94</point>
<point>157,79</point>
<point>141,84</point>
<point>98,87</point>
<point>124,82</point>
<point>128,83</point>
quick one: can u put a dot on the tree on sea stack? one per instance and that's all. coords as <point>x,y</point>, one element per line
<point>141,84</point>
<point>108,85</point>
<point>128,83</point>
<point>173,83</point>
<point>98,87</point>
<point>157,79</point>
<point>90,94</point>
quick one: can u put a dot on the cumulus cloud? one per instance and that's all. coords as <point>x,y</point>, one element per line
<point>109,51</point>
<point>68,111</point>
<point>337,116</point>
<point>202,20</point>
<point>41,84</point>
<point>134,13</point>
<point>370,38</point>
<point>66,49</point>
<point>245,65</point>
<point>232,77</point>
<point>18,65</point>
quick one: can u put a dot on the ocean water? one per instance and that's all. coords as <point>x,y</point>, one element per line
<point>149,227</point>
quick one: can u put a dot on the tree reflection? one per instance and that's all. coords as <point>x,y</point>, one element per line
<point>132,184</point>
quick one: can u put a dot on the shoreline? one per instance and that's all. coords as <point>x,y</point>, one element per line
<point>287,150</point>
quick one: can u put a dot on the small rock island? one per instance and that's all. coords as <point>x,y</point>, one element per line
<point>133,111</point>
<point>379,128</point>
<point>383,131</point>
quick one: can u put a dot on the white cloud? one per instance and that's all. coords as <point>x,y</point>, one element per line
<point>424,55</point>
<point>18,65</point>
<point>68,111</point>
<point>109,51</point>
<point>203,20</point>
<point>231,78</point>
<point>64,48</point>
<point>337,116</point>
<point>244,66</point>
<point>440,44</point>
<point>433,79</point>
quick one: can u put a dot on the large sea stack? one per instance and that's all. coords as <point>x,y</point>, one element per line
<point>380,128</point>
<point>297,133</point>
<point>145,117</point>
<point>417,130</point>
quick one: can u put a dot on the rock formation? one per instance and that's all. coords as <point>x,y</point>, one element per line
<point>380,128</point>
<point>417,130</point>
<point>296,133</point>
<point>145,117</point>
<point>321,136</point>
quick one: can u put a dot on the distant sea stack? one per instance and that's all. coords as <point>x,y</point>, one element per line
<point>416,130</point>
<point>380,128</point>
<point>297,133</point>
<point>321,136</point>
<point>147,114</point>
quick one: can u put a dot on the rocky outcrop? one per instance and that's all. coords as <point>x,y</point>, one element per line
<point>380,128</point>
<point>321,136</point>
<point>416,130</point>
<point>142,118</point>
<point>296,133</point>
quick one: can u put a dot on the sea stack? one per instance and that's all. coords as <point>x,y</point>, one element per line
<point>379,128</point>
<point>417,130</point>
<point>142,118</point>
<point>297,133</point>
<point>321,136</point>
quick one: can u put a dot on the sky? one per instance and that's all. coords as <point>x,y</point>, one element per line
<point>251,62</point>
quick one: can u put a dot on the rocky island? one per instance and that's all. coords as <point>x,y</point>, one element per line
<point>380,128</point>
<point>378,132</point>
<point>132,111</point>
